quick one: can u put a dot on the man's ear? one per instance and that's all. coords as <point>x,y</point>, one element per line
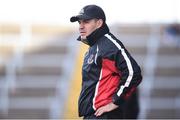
<point>100,23</point>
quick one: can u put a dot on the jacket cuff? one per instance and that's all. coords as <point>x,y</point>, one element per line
<point>118,100</point>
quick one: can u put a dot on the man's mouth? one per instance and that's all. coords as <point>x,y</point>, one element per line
<point>82,33</point>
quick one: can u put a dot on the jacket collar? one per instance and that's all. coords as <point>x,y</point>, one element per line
<point>94,36</point>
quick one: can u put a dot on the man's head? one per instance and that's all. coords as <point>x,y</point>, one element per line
<point>90,18</point>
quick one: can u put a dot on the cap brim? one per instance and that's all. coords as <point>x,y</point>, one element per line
<point>80,17</point>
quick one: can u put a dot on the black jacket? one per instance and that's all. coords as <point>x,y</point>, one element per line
<point>109,73</point>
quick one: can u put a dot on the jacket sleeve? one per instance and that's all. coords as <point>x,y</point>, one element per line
<point>130,76</point>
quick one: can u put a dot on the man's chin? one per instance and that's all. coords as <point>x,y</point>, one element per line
<point>83,37</point>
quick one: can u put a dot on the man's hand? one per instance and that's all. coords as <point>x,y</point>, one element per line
<point>107,108</point>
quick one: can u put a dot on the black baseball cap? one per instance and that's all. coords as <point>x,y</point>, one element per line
<point>89,12</point>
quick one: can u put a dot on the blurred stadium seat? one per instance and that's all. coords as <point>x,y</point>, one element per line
<point>35,70</point>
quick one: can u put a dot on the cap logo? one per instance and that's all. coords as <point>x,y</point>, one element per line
<point>81,12</point>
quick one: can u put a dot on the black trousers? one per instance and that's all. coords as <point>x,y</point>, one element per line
<point>129,110</point>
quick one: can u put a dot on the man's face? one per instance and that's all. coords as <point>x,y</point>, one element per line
<point>86,27</point>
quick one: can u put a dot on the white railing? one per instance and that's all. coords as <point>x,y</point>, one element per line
<point>58,104</point>
<point>9,83</point>
<point>149,70</point>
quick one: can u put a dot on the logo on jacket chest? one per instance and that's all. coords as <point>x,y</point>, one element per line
<point>90,59</point>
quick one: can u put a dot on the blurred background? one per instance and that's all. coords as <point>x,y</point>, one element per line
<point>40,59</point>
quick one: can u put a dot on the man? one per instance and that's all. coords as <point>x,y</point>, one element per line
<point>109,74</point>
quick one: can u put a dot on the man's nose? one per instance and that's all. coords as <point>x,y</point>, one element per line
<point>81,25</point>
